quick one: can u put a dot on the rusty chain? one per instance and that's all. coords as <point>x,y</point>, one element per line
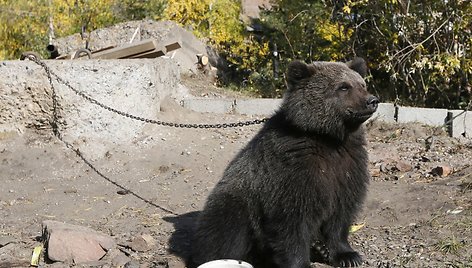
<point>52,74</point>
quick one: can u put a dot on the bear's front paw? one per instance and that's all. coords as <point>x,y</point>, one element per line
<point>319,252</point>
<point>346,259</point>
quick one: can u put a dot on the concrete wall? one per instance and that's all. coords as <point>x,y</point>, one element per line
<point>134,86</point>
<point>462,125</point>
<point>261,107</point>
<point>387,112</point>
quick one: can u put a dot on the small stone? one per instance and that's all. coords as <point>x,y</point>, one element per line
<point>385,167</point>
<point>123,192</point>
<point>403,166</point>
<point>442,171</point>
<point>375,172</point>
<point>120,260</point>
<point>149,239</point>
<point>142,243</point>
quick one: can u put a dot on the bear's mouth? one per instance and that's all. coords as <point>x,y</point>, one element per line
<point>360,116</point>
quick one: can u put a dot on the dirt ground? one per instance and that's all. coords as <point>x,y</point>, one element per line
<point>418,212</point>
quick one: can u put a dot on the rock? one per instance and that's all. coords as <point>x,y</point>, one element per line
<point>442,171</point>
<point>403,166</point>
<point>149,239</point>
<point>375,172</point>
<point>386,167</point>
<point>120,260</point>
<point>72,243</point>
<point>142,243</point>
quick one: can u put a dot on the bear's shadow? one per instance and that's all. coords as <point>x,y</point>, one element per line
<point>180,240</point>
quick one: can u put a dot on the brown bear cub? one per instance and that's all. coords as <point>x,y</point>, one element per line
<point>290,196</point>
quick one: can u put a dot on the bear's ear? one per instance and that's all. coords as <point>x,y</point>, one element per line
<point>359,65</point>
<point>297,71</point>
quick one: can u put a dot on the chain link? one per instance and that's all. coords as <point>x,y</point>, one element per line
<point>52,74</point>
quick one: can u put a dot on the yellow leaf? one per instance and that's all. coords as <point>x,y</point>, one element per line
<point>347,9</point>
<point>356,227</point>
<point>36,254</point>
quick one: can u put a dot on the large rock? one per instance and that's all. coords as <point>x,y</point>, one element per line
<point>75,244</point>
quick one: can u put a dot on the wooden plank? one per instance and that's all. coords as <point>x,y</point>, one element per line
<point>103,49</point>
<point>150,54</point>
<point>127,50</point>
<point>158,52</point>
<point>172,46</point>
<point>155,53</point>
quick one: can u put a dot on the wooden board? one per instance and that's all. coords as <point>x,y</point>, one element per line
<point>159,51</point>
<point>172,46</point>
<point>126,51</point>
<point>150,54</point>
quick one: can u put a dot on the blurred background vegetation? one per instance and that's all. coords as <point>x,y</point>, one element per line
<point>418,51</point>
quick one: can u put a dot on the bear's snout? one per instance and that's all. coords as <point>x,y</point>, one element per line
<point>372,103</point>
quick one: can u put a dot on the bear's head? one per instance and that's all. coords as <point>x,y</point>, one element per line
<point>328,98</point>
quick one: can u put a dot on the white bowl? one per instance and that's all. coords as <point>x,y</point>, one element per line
<point>225,264</point>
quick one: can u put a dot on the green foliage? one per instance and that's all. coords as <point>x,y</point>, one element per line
<point>218,22</point>
<point>449,246</point>
<point>421,53</point>
<point>18,20</point>
<point>418,53</point>
<point>190,13</point>
<point>25,24</point>
<point>139,9</point>
<point>304,30</point>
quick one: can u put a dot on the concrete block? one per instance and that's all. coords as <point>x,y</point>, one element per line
<point>209,105</point>
<point>134,87</point>
<point>428,116</point>
<point>257,106</point>
<point>385,112</point>
<point>462,124</point>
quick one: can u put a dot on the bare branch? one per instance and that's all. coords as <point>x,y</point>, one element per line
<point>416,45</point>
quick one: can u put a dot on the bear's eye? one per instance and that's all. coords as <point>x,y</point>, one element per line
<point>344,87</point>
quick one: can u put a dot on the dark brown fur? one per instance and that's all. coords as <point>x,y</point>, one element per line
<point>300,181</point>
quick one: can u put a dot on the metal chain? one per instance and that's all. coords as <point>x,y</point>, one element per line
<point>51,73</point>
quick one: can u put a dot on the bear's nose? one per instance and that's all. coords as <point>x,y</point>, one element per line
<point>372,102</point>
